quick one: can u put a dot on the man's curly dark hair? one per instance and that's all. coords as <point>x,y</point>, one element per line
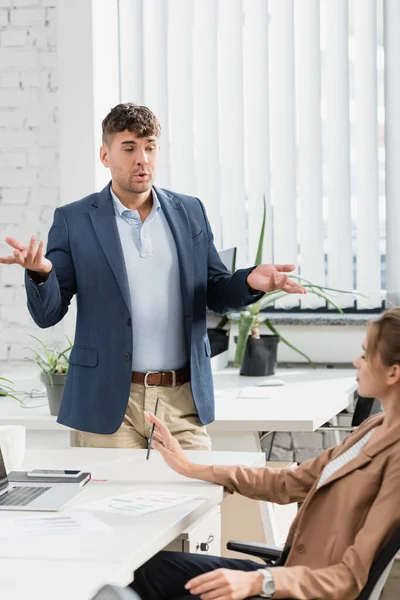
<point>133,117</point>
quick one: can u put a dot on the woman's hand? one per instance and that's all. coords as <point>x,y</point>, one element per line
<point>226,584</point>
<point>168,446</point>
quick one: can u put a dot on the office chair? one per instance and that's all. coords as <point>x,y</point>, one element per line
<point>363,408</point>
<point>377,576</point>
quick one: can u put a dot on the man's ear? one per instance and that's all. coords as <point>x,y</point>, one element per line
<point>104,155</point>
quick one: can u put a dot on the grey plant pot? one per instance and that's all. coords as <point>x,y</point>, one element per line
<point>55,391</point>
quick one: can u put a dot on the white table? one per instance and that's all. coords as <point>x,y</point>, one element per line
<point>49,580</point>
<point>299,405</point>
<point>61,567</point>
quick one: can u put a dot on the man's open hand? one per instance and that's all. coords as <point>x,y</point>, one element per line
<point>268,278</point>
<point>30,257</point>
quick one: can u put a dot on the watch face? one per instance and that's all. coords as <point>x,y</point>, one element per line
<point>268,587</point>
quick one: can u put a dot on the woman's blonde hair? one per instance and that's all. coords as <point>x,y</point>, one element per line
<point>384,338</point>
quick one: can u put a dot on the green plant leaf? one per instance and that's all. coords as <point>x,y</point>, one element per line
<point>323,287</point>
<point>35,352</point>
<point>35,360</point>
<point>285,341</point>
<point>329,300</point>
<point>222,322</point>
<point>7,395</point>
<point>258,260</point>
<point>6,389</point>
<point>312,286</point>
<point>49,358</point>
<point>3,385</point>
<point>53,362</point>
<point>64,352</point>
<point>270,298</point>
<point>245,324</point>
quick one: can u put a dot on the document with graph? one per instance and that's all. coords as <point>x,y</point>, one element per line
<point>138,503</point>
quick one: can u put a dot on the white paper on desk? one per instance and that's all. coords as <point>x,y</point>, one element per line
<point>251,392</point>
<point>138,503</point>
<point>226,392</point>
<point>51,524</point>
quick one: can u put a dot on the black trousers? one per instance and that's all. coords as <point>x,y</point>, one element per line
<point>164,576</point>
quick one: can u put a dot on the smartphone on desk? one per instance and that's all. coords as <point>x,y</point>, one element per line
<point>55,473</point>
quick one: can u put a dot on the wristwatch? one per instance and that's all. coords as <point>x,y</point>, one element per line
<point>268,586</point>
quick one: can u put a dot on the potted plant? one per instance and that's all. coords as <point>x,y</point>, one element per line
<point>54,366</point>
<point>256,354</point>
<point>6,389</point>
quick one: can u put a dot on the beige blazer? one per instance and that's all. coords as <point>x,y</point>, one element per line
<point>342,525</point>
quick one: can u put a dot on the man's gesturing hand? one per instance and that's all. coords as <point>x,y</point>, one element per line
<point>268,278</point>
<point>30,257</point>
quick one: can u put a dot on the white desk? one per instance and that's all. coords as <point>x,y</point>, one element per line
<point>299,406</point>
<point>63,567</point>
<point>296,406</point>
<point>50,580</point>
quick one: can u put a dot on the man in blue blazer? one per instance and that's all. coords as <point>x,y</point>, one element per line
<point>144,267</point>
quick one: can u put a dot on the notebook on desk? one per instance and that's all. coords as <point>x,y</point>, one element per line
<point>34,495</point>
<point>23,477</point>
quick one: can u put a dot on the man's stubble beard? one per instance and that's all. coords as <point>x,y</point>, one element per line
<point>138,188</point>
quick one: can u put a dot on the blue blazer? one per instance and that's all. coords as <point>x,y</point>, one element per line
<point>85,250</point>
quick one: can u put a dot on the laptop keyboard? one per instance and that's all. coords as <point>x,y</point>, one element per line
<point>21,496</point>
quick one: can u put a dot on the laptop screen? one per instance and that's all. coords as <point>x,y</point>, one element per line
<point>3,473</point>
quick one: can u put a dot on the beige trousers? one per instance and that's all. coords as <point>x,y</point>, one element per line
<point>175,408</point>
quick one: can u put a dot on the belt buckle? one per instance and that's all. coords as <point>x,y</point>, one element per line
<point>173,378</point>
<point>148,385</point>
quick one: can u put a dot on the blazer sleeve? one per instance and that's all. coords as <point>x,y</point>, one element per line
<point>48,302</point>
<point>225,291</point>
<point>347,578</point>
<point>281,486</point>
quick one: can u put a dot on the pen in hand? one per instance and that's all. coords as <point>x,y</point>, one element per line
<point>149,443</point>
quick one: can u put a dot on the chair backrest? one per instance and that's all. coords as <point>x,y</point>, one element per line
<point>113,592</point>
<point>380,569</point>
<point>364,408</point>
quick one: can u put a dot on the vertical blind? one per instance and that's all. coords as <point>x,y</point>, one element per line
<point>274,100</point>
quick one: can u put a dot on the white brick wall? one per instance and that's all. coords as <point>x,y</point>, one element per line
<point>29,178</point>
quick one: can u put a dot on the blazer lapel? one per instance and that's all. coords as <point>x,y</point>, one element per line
<point>365,455</point>
<point>358,462</point>
<point>105,226</point>
<point>178,222</point>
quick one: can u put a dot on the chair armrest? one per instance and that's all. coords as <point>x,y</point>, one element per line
<point>333,428</point>
<point>269,553</point>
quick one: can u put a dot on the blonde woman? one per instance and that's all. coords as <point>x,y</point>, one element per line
<point>349,494</point>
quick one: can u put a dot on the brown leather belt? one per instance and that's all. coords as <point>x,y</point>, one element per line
<point>162,378</point>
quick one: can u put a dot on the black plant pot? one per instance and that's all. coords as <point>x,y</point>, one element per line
<point>219,341</point>
<point>260,357</point>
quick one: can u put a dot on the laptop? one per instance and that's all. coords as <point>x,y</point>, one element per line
<point>34,496</point>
